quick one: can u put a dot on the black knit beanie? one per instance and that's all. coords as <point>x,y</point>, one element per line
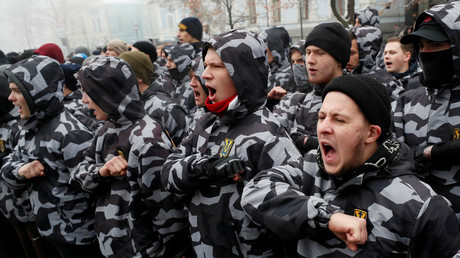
<point>193,26</point>
<point>332,38</point>
<point>370,95</point>
<point>147,48</point>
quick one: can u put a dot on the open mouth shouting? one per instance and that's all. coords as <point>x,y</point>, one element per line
<point>212,93</point>
<point>328,152</point>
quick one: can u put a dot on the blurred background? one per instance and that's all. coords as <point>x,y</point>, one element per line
<point>92,23</point>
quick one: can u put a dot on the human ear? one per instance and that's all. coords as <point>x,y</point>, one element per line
<point>374,133</point>
<point>407,56</point>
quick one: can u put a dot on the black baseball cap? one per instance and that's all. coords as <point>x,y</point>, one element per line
<point>428,29</point>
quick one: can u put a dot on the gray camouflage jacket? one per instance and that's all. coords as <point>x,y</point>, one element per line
<point>425,116</point>
<point>248,130</point>
<point>405,217</point>
<point>75,105</point>
<point>182,55</point>
<point>299,114</point>
<point>369,40</point>
<point>161,76</point>
<point>135,217</point>
<point>280,73</point>
<point>14,204</point>
<point>160,106</point>
<point>57,139</point>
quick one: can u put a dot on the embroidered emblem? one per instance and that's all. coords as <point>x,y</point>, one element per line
<point>120,153</point>
<point>226,148</point>
<point>2,146</point>
<point>182,26</point>
<point>456,133</point>
<point>360,214</point>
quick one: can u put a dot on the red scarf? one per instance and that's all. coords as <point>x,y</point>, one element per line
<point>219,108</point>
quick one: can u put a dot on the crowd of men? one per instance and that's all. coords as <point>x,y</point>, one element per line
<point>244,145</point>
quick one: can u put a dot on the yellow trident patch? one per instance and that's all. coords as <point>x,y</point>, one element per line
<point>2,146</point>
<point>120,153</point>
<point>226,148</point>
<point>182,26</point>
<point>456,133</point>
<point>360,214</point>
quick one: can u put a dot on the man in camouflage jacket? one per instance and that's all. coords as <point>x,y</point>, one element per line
<point>50,145</point>
<point>14,205</point>
<point>134,216</point>
<point>72,98</point>
<point>157,101</point>
<point>280,71</point>
<point>327,53</point>
<point>179,60</point>
<point>226,149</point>
<point>359,170</point>
<point>428,118</point>
<point>369,41</point>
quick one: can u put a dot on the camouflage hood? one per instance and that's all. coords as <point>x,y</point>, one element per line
<point>277,44</point>
<point>182,55</point>
<point>368,17</point>
<point>112,85</point>
<point>447,16</point>
<point>41,81</point>
<point>299,46</point>
<point>369,41</point>
<point>5,105</point>
<point>245,57</point>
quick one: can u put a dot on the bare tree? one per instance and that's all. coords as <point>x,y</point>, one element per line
<point>230,14</point>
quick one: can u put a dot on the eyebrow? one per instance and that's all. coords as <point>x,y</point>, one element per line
<point>334,113</point>
<point>214,62</point>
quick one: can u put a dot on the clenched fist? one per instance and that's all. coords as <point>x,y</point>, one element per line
<point>31,170</point>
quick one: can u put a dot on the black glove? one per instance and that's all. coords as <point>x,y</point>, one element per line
<point>224,168</point>
<point>312,143</point>
<point>446,153</point>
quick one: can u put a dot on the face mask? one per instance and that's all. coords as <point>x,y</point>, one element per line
<point>437,68</point>
<point>174,74</point>
<point>301,78</point>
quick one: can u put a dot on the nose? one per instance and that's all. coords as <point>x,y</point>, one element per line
<point>206,74</point>
<point>324,126</point>
<point>168,64</point>
<point>84,99</point>
<point>310,59</point>
<point>11,97</point>
<point>193,82</point>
